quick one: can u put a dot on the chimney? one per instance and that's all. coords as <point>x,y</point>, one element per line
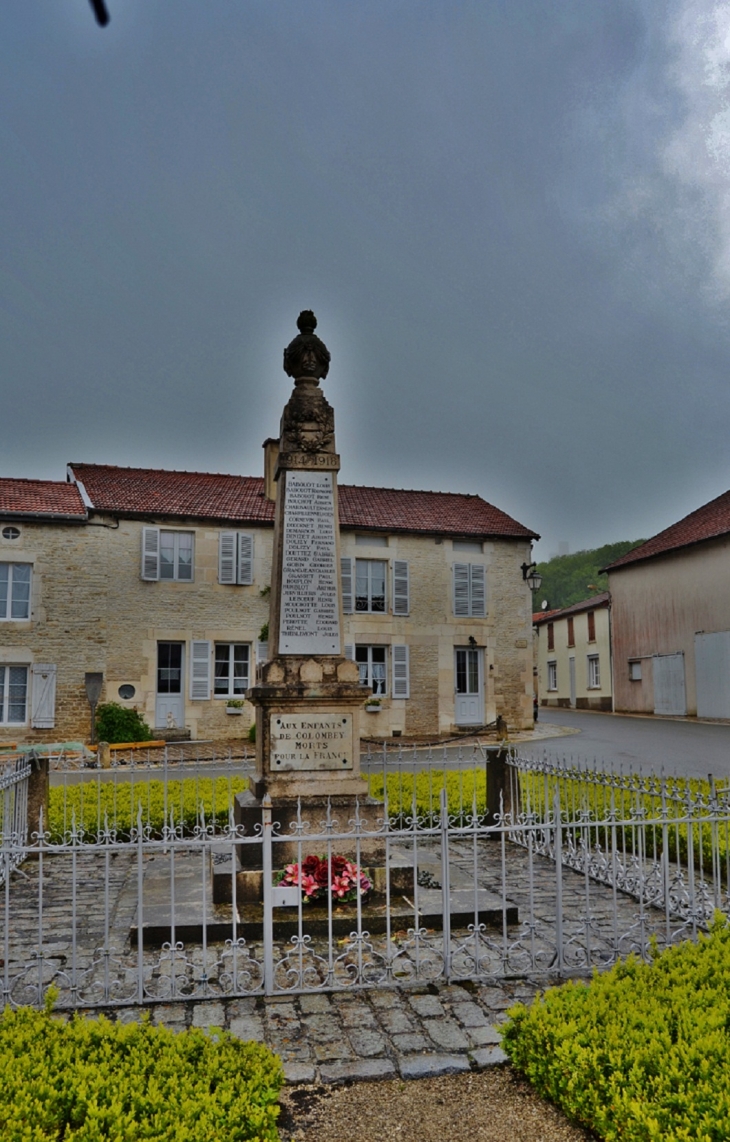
<point>271,455</point>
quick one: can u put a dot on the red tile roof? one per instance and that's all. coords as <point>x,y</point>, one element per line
<point>602,599</point>
<point>241,499</point>
<point>46,499</point>
<point>707,522</point>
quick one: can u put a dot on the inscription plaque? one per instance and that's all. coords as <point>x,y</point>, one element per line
<point>311,741</point>
<point>310,613</point>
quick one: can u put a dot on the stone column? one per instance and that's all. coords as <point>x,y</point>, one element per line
<point>38,786</point>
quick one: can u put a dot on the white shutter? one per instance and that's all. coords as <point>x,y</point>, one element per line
<point>401,673</point>
<point>227,557</point>
<point>478,599</point>
<point>151,553</point>
<point>262,652</point>
<point>245,558</point>
<point>461,589</point>
<point>43,696</point>
<point>346,580</point>
<point>200,670</point>
<point>350,651</point>
<point>401,603</point>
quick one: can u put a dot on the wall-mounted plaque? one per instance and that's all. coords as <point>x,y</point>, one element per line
<point>311,741</point>
<point>310,611</point>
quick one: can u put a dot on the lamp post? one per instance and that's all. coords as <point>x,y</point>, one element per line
<point>531,575</point>
<point>94,682</point>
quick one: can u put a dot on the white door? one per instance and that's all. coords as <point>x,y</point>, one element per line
<point>712,670</point>
<point>669,695</point>
<point>170,704</point>
<point>571,672</point>
<point>469,690</point>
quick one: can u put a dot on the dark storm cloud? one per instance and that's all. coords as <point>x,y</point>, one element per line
<point>510,219</point>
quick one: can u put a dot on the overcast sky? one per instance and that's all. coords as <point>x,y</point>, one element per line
<point>512,219</point>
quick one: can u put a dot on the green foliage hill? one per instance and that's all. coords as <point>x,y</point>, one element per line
<point>568,579</point>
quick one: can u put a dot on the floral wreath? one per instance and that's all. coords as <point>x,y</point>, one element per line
<point>344,879</point>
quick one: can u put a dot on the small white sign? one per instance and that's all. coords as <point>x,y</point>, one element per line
<point>285,896</point>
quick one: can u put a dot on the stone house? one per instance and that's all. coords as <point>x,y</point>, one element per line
<point>159,580</point>
<point>671,618</point>
<point>573,655</point>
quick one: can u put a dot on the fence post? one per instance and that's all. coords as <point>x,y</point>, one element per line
<point>445,885</point>
<point>267,865</point>
<point>503,794</point>
<point>104,755</point>
<point>38,784</point>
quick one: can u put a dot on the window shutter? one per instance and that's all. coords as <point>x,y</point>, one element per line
<point>200,670</point>
<point>461,589</point>
<point>350,651</point>
<point>401,675</point>
<point>478,599</point>
<point>401,602</point>
<point>227,557</point>
<point>346,580</point>
<point>245,558</point>
<point>151,553</point>
<point>43,696</point>
<point>262,652</point>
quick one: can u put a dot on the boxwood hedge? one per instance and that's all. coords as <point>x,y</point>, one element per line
<point>93,1080</point>
<point>641,1053</point>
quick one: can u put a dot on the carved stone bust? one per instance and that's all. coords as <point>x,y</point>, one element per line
<point>306,357</point>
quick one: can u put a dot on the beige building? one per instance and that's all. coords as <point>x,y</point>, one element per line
<point>671,618</point>
<point>573,655</point>
<point>159,580</point>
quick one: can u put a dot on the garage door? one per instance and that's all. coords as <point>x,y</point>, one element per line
<point>669,695</point>
<point>712,667</point>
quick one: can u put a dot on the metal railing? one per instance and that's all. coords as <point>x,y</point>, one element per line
<point>160,895</point>
<point>14,811</point>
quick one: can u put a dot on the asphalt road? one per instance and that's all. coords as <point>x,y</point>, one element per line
<point>684,748</point>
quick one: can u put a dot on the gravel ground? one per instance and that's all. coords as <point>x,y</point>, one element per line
<point>495,1105</point>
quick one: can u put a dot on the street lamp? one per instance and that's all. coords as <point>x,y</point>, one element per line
<point>531,575</point>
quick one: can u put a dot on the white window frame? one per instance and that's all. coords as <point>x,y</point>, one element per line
<point>231,692</point>
<point>9,617</point>
<point>235,558</point>
<point>552,675</point>
<point>594,672</point>
<point>369,610</point>
<point>379,687</point>
<point>151,558</point>
<point>5,669</point>
<point>470,590</point>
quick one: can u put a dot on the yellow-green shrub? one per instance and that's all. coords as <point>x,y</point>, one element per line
<point>89,804</point>
<point>93,1080</point>
<point>641,1053</point>
<point>461,788</point>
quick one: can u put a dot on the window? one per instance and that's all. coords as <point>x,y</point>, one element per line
<point>470,590</point>
<point>232,669</point>
<point>167,554</point>
<point>635,671</point>
<point>169,668</point>
<point>552,675</point>
<point>11,533</point>
<point>551,636</point>
<point>126,692</point>
<point>13,695</point>
<point>571,632</point>
<point>14,591</point>
<point>591,626</point>
<point>235,557</point>
<point>370,585</point>
<point>371,663</point>
<point>594,672</point>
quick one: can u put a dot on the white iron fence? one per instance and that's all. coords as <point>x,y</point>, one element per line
<point>14,776</point>
<point>135,892</point>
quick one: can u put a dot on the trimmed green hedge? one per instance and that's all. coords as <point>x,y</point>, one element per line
<point>91,803</point>
<point>640,1054</point>
<point>461,786</point>
<point>91,1080</point>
